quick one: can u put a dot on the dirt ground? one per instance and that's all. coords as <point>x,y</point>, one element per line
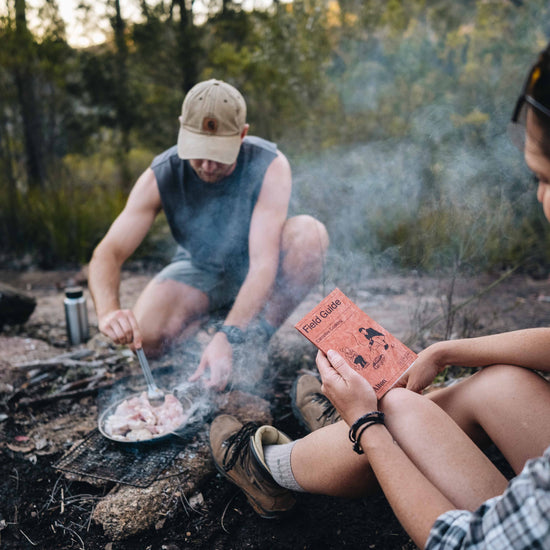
<point>40,508</point>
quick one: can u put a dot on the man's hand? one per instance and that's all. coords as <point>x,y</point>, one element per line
<point>121,327</point>
<point>348,391</point>
<point>218,357</point>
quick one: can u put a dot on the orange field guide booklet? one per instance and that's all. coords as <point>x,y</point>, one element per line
<point>337,323</point>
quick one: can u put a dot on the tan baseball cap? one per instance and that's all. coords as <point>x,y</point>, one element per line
<point>213,116</point>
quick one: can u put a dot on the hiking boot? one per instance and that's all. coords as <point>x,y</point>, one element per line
<point>238,453</point>
<point>312,409</point>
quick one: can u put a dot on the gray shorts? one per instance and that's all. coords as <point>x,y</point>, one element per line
<point>219,288</point>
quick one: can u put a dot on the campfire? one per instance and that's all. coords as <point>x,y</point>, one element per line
<point>143,482</point>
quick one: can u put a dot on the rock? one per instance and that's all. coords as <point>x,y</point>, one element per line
<point>246,407</point>
<point>128,510</point>
<point>290,352</point>
<point>15,306</point>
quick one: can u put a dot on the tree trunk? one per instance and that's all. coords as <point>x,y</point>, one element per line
<point>28,100</point>
<point>10,213</point>
<point>122,96</point>
<point>188,48</point>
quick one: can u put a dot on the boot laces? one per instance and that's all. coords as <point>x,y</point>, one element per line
<point>329,410</point>
<point>238,445</point>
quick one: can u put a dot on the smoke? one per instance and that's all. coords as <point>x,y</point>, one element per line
<point>443,191</point>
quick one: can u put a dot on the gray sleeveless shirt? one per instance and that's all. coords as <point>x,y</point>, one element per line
<point>212,220</point>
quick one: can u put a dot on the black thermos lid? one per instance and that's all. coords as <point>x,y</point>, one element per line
<point>73,292</point>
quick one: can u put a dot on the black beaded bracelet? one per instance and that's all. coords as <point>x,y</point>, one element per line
<point>365,421</point>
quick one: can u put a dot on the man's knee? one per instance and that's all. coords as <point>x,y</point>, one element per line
<point>303,247</point>
<point>166,311</point>
<point>156,335</point>
<point>305,234</point>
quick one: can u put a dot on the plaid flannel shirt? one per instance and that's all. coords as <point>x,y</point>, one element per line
<point>519,519</point>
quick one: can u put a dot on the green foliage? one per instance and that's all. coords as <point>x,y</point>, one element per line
<point>63,222</point>
<point>446,237</point>
<point>393,115</point>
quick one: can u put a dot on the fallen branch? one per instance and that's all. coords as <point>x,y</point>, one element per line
<point>28,402</point>
<point>86,383</point>
<point>70,359</point>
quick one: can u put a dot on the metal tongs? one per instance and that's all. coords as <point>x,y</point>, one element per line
<point>154,393</point>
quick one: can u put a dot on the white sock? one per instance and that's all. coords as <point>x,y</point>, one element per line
<point>277,458</point>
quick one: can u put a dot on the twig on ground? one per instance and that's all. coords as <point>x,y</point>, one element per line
<point>23,533</point>
<point>72,531</point>
<point>411,339</point>
<point>186,503</point>
<point>224,511</point>
<point>52,494</point>
<point>72,358</point>
<point>16,477</point>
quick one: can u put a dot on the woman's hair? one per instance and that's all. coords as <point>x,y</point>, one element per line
<point>539,89</point>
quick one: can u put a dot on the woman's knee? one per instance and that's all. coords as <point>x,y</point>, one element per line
<point>399,401</point>
<point>408,413</point>
<point>500,380</point>
<point>506,374</point>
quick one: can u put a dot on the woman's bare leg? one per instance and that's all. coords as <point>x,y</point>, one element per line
<point>324,462</point>
<point>507,405</point>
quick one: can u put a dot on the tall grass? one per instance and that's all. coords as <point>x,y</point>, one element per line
<point>61,224</point>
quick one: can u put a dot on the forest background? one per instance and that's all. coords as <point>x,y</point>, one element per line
<point>392,113</point>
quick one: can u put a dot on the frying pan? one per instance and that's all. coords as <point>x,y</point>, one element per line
<point>188,426</point>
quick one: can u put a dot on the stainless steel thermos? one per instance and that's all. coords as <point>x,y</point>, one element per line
<point>76,315</point>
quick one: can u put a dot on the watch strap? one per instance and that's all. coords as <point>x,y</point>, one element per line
<point>234,334</point>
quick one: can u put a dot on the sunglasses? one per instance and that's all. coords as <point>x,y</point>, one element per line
<point>526,98</point>
<point>516,127</point>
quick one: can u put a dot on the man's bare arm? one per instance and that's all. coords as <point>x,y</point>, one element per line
<point>266,227</point>
<point>124,236</point>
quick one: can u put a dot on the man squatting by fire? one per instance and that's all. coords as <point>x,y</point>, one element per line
<point>424,451</point>
<point>226,196</point>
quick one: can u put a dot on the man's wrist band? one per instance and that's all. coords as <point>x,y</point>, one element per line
<point>234,334</point>
<point>364,422</point>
